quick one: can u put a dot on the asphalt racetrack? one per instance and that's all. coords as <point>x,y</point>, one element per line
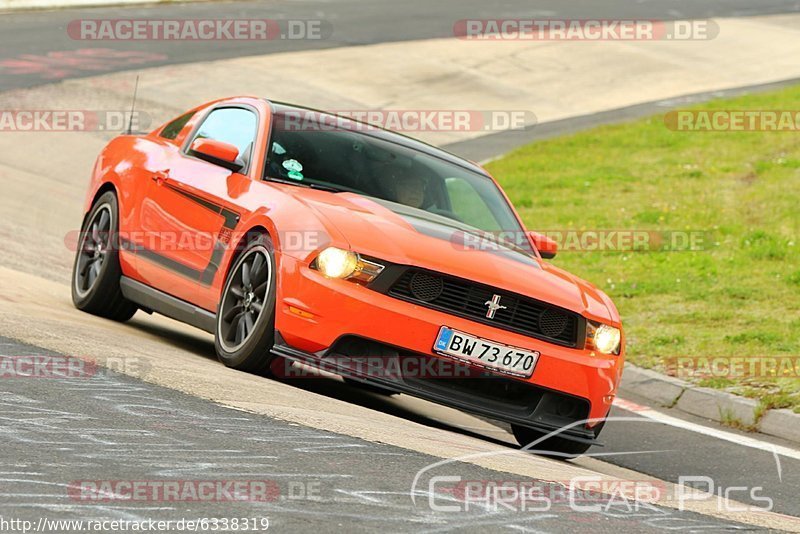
<point>336,458</point>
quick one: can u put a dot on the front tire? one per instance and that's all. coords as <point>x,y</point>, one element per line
<point>96,271</point>
<point>245,329</point>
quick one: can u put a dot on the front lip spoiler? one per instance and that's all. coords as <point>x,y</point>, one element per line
<point>290,353</point>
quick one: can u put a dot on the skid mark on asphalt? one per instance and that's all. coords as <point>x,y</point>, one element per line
<point>62,64</point>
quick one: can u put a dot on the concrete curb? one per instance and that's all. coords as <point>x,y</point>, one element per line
<point>719,406</point>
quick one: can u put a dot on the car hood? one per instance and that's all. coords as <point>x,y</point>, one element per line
<point>413,238</point>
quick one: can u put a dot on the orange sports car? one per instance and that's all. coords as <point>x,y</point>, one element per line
<point>295,235</point>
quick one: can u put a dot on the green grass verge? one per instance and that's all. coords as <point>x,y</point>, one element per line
<point>740,294</point>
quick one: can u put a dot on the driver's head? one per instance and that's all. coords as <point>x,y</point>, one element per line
<point>408,189</point>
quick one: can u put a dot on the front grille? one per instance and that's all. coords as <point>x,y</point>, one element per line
<point>468,299</point>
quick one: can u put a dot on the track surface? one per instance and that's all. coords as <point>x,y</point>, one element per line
<point>41,38</point>
<point>117,427</point>
<point>62,433</point>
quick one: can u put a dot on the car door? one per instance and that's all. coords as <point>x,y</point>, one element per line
<point>190,212</point>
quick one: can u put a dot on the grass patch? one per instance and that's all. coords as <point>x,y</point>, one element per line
<point>738,293</point>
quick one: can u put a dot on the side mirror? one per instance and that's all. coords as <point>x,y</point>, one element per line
<point>547,247</point>
<point>217,152</point>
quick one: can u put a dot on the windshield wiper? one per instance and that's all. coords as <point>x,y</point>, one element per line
<point>309,185</point>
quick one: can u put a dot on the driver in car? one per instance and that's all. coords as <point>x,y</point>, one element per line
<point>408,189</point>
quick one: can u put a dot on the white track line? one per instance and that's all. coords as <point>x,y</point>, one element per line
<point>746,441</point>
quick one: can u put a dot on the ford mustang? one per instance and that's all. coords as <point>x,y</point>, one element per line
<point>298,236</point>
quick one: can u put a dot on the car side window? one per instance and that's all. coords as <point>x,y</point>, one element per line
<point>236,126</point>
<point>172,129</point>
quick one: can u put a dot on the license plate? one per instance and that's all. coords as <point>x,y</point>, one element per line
<point>485,353</point>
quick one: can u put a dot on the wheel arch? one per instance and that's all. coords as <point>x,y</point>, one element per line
<point>104,188</point>
<point>244,238</point>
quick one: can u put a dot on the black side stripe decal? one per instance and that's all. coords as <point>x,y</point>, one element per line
<point>231,217</point>
<point>206,276</point>
<point>160,259</point>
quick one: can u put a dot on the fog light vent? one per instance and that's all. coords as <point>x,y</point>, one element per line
<point>426,287</point>
<point>552,323</point>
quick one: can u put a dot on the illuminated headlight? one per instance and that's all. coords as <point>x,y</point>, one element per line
<point>345,264</point>
<point>337,263</point>
<point>604,338</point>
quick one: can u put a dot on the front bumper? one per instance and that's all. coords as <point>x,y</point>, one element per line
<point>496,397</point>
<point>314,314</point>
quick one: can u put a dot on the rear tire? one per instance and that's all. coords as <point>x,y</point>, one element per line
<point>96,271</point>
<point>554,447</point>
<point>245,330</point>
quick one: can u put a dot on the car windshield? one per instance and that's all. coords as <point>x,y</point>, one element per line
<point>312,153</point>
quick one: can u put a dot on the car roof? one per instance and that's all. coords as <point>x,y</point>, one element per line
<point>386,135</point>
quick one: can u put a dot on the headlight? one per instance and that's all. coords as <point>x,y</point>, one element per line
<point>345,264</point>
<point>337,263</point>
<point>603,338</point>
